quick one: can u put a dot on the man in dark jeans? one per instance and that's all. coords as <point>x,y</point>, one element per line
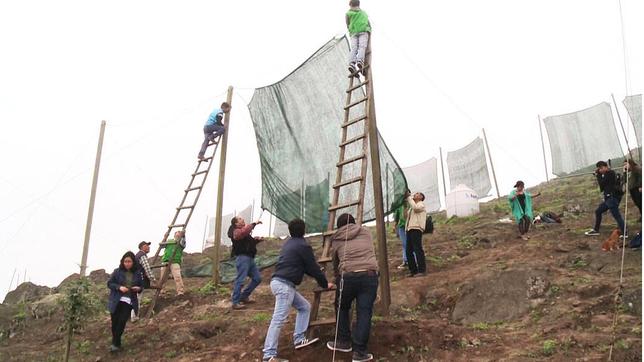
<point>416,219</point>
<point>356,271</point>
<point>213,128</point>
<point>607,180</point>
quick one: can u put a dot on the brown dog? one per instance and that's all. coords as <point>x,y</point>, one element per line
<point>612,243</point>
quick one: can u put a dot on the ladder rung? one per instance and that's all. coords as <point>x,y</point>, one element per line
<point>206,159</point>
<point>328,233</point>
<point>342,206</point>
<point>347,182</point>
<point>349,160</point>
<point>193,188</point>
<point>328,259</point>
<point>176,226</point>
<point>322,322</point>
<point>199,173</point>
<point>354,139</point>
<point>355,120</point>
<point>185,207</point>
<point>357,86</point>
<point>356,102</point>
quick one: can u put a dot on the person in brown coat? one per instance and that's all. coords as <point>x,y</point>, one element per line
<point>356,272</point>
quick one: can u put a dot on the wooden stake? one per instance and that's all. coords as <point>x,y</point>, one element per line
<point>622,125</point>
<point>383,264</point>
<point>440,152</point>
<point>543,149</point>
<point>496,185</point>
<point>92,198</point>
<point>220,190</point>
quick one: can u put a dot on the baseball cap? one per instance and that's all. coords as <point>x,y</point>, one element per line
<point>144,243</point>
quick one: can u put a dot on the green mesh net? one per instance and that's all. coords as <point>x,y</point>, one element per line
<point>297,125</point>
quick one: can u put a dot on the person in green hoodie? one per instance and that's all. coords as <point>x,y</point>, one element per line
<point>173,254</point>
<point>359,29</point>
<point>521,205</point>
<point>634,182</point>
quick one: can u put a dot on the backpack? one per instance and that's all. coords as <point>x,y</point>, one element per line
<point>429,225</point>
<point>619,184</point>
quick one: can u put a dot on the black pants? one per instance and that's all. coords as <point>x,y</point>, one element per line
<point>415,246</point>
<point>362,288</point>
<point>119,319</point>
<point>524,225</point>
<point>636,195</point>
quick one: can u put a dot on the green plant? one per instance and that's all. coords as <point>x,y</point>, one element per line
<point>436,260</point>
<point>261,317</point>
<point>466,242</point>
<point>622,344</point>
<point>549,347</point>
<point>481,326</point>
<point>78,303</point>
<point>170,354</point>
<point>84,346</point>
<point>579,263</point>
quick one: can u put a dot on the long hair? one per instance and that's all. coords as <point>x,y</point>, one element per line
<point>130,255</point>
<point>231,228</point>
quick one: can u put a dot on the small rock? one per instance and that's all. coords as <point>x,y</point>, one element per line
<point>561,249</point>
<point>462,253</point>
<point>576,303</point>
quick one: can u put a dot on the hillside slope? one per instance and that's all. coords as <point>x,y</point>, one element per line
<point>488,296</point>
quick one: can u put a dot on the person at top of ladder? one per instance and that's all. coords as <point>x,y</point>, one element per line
<point>244,250</point>
<point>296,259</point>
<point>214,127</point>
<point>356,271</point>
<point>178,244</point>
<point>359,29</point>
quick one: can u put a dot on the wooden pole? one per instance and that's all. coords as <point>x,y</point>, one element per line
<point>440,152</point>
<point>92,199</point>
<point>387,191</point>
<point>220,190</point>
<point>381,232</point>
<point>496,185</point>
<point>543,149</point>
<point>622,125</point>
<point>205,236</point>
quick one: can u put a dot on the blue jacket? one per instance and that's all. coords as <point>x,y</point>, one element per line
<point>215,117</point>
<point>296,259</point>
<point>116,280</point>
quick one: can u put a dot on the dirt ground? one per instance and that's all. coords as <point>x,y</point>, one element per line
<point>488,296</point>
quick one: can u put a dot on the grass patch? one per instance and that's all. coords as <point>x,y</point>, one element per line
<point>579,263</point>
<point>622,344</point>
<point>549,347</point>
<point>481,326</point>
<point>211,288</point>
<point>466,242</point>
<point>436,260</point>
<point>261,317</point>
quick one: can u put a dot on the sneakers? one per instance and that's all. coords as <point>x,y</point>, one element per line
<point>114,349</point>
<point>352,68</point>
<point>275,359</point>
<point>339,346</point>
<point>592,232</point>
<point>361,357</point>
<point>360,66</point>
<point>305,342</point>
<point>238,306</point>
<point>202,159</point>
<point>402,266</point>
<point>247,301</point>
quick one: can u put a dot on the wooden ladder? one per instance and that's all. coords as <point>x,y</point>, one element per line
<point>355,86</point>
<point>197,181</point>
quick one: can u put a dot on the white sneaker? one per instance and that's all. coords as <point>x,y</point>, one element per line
<point>305,342</point>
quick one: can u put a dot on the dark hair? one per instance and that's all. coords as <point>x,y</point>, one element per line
<point>519,183</point>
<point>231,228</point>
<point>130,255</point>
<point>354,3</point>
<point>225,105</point>
<point>345,219</point>
<point>422,196</point>
<point>601,164</point>
<point>296,228</point>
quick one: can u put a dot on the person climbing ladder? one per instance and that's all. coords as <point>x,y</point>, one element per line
<point>214,127</point>
<point>359,29</point>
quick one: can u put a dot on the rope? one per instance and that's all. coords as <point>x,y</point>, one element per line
<point>341,287</point>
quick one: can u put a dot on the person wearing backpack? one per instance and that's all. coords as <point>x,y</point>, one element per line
<point>610,185</point>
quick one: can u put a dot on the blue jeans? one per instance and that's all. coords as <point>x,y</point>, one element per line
<point>363,289</point>
<point>209,134</point>
<point>245,267</point>
<point>285,297</point>
<point>610,203</point>
<point>402,234</point>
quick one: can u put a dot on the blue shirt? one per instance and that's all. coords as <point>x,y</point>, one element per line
<point>215,117</point>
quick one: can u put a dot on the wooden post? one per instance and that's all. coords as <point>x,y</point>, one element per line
<point>543,149</point>
<point>387,192</point>
<point>440,152</point>
<point>381,233</point>
<point>622,125</point>
<point>205,235</point>
<point>220,191</point>
<point>496,185</point>
<point>92,198</point>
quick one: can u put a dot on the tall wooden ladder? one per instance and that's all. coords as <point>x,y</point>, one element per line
<point>359,87</point>
<point>182,216</point>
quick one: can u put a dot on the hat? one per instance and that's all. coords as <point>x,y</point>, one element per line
<point>144,243</point>
<point>519,183</point>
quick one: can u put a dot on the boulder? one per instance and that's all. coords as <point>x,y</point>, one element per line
<point>26,292</point>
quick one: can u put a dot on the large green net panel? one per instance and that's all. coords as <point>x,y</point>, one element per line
<point>297,125</point>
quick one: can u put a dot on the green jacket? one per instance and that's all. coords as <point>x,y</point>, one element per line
<point>358,21</point>
<point>517,211</point>
<point>400,215</point>
<point>169,249</point>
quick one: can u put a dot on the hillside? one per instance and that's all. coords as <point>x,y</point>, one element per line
<point>488,296</point>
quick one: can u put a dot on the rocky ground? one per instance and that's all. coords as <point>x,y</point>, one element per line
<point>488,296</point>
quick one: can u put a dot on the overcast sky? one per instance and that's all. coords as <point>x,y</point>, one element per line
<point>155,69</point>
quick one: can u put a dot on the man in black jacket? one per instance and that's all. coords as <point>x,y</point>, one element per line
<point>296,259</point>
<point>607,180</point>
